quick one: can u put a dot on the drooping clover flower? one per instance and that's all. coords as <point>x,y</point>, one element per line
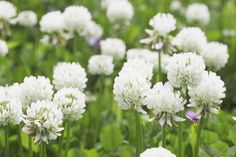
<point>165,104</point>
<point>208,95</point>
<point>42,121</point>
<point>185,69</point>
<point>157,152</point>
<point>120,12</point>
<point>67,75</point>
<point>27,18</point>
<point>76,18</point>
<point>100,65</point>
<point>193,117</point>
<point>198,12</point>
<point>10,109</point>
<point>113,47</point>
<point>131,86</point>
<point>34,89</point>
<point>71,101</point>
<point>3,48</point>
<point>215,55</point>
<point>191,39</point>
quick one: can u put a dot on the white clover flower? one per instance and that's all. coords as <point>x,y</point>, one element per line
<point>15,92</point>
<point>198,12</point>
<point>34,89</point>
<point>190,39</point>
<point>215,55</point>
<point>120,12</point>
<point>185,69</point>
<point>163,23</point>
<point>113,47</point>
<point>10,109</point>
<point>71,101</point>
<point>92,30</point>
<point>100,65</point>
<point>157,152</point>
<point>234,118</point>
<point>208,95</point>
<point>137,65</point>
<point>67,75</point>
<point>52,22</point>
<point>27,18</point>
<point>76,18</point>
<point>42,121</point>
<point>165,103</point>
<point>3,48</point>
<point>175,5</point>
<point>7,11</point>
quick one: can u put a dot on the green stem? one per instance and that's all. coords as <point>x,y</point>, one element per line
<point>7,141</point>
<point>40,150</point>
<point>139,134</point>
<point>67,138</point>
<point>21,153</point>
<point>30,147</point>
<point>180,138</point>
<point>164,136</point>
<point>44,148</point>
<point>197,145</point>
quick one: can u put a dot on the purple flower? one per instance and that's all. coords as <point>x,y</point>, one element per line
<point>192,116</point>
<point>93,42</point>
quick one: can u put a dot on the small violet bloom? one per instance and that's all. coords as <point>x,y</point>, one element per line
<point>192,116</point>
<point>93,42</point>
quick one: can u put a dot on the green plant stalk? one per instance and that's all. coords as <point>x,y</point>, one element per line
<point>164,136</point>
<point>180,138</point>
<point>197,145</point>
<point>139,134</point>
<point>7,153</point>
<point>30,147</point>
<point>21,153</point>
<point>44,149</point>
<point>67,138</point>
<point>40,150</point>
<point>61,141</point>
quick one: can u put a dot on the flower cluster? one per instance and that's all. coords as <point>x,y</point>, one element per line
<point>27,18</point>
<point>157,152</point>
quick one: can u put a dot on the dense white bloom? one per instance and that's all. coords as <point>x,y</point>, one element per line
<point>7,11</point>
<point>76,18</point>
<point>34,89</point>
<point>163,23</point>
<point>100,65</point>
<point>157,152</point>
<point>165,103</point>
<point>113,47</point>
<point>10,109</point>
<point>27,18</point>
<point>190,39</point>
<point>52,22</point>
<point>3,48</point>
<point>208,95</point>
<point>15,92</point>
<point>67,75</point>
<point>120,11</point>
<point>198,12</point>
<point>72,103</point>
<point>42,121</point>
<point>92,30</point>
<point>185,69</point>
<point>215,55</point>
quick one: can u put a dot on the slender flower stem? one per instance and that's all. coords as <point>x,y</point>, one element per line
<point>180,138</point>
<point>197,145</point>
<point>67,138</point>
<point>40,150</point>
<point>44,148</point>
<point>164,136</point>
<point>30,147</point>
<point>7,142</point>
<point>21,153</point>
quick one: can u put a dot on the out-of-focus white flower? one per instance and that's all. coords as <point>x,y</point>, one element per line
<point>7,11</point>
<point>215,55</point>
<point>157,152</point>
<point>229,32</point>
<point>76,18</point>
<point>198,12</point>
<point>71,101</point>
<point>185,69</point>
<point>190,39</point>
<point>92,30</point>
<point>234,118</point>
<point>10,109</point>
<point>66,75</point>
<point>176,5</point>
<point>165,103</point>
<point>101,65</point>
<point>163,23</point>
<point>89,97</point>
<point>132,84</point>
<point>52,22</point>
<point>15,92</point>
<point>106,3</point>
<point>27,18</point>
<point>120,11</point>
<point>42,121</point>
<point>3,48</point>
<point>34,89</point>
<point>113,47</point>
<point>208,95</point>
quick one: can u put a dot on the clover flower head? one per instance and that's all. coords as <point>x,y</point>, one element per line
<point>157,152</point>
